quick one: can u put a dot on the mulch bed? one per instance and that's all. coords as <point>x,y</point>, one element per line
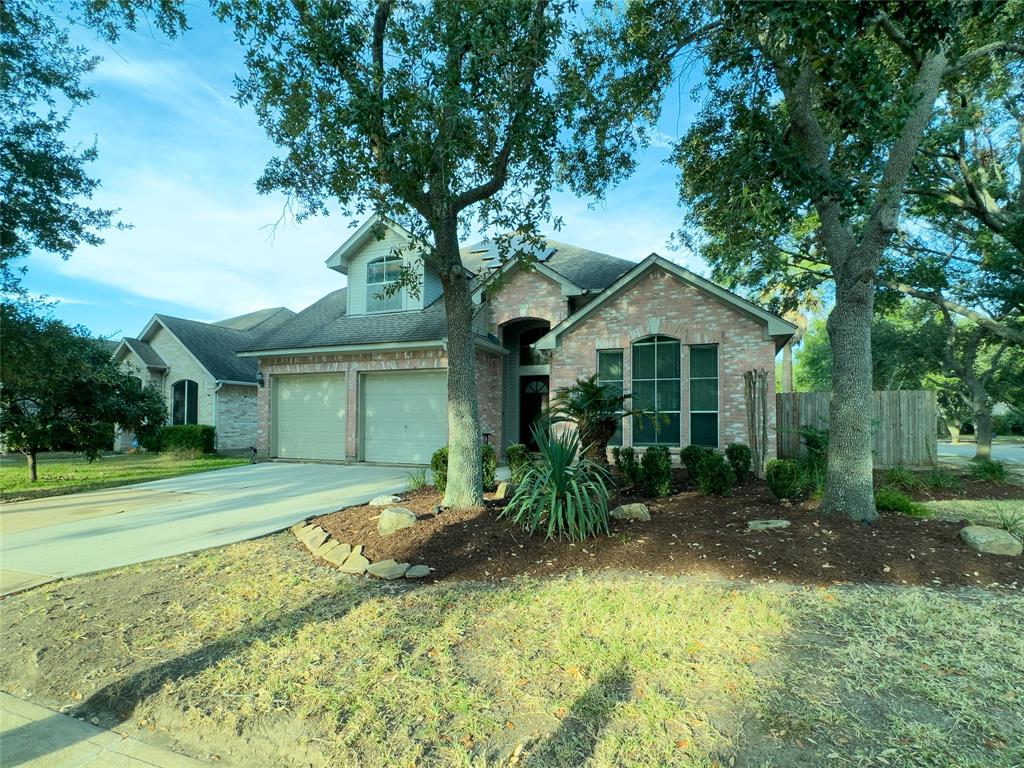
<point>691,534</point>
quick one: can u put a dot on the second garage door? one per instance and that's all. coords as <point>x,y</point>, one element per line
<point>309,416</point>
<point>404,416</point>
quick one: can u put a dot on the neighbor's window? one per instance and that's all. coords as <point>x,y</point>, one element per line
<point>380,273</point>
<point>704,396</point>
<point>185,402</point>
<point>656,387</point>
<point>609,373</point>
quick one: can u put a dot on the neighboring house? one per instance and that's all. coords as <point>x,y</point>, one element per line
<point>196,367</point>
<point>360,377</point>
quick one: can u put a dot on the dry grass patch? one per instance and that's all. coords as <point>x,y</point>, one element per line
<point>254,654</point>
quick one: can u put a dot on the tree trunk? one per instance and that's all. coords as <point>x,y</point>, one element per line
<point>32,474</point>
<point>954,432</point>
<point>465,478</point>
<point>981,408</point>
<point>787,367</point>
<point>849,487</point>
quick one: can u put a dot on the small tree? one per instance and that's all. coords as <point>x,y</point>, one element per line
<point>594,410</point>
<point>60,389</point>
<point>755,393</point>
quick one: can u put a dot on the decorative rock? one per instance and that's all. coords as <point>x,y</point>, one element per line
<point>388,570</point>
<point>991,541</point>
<point>630,512</point>
<point>326,547</point>
<point>505,489</point>
<point>766,525</point>
<point>300,527</point>
<point>417,572</point>
<point>395,519</point>
<point>435,510</point>
<point>355,563</point>
<point>339,554</point>
<point>314,537</point>
<point>384,501</point>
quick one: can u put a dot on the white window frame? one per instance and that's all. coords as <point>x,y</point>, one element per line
<point>653,341</point>
<point>718,391</point>
<point>373,289</point>
<point>185,401</point>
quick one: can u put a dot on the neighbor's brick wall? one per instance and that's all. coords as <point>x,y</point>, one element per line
<point>488,385</point>
<point>661,304</point>
<point>181,365</point>
<point>527,294</point>
<point>134,366</point>
<point>236,418</point>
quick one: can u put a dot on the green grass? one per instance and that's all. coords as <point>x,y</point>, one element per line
<point>255,653</point>
<point>73,474</point>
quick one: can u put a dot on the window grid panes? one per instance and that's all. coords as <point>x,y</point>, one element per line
<point>609,374</point>
<point>380,273</point>
<point>704,396</point>
<point>185,402</point>
<point>656,390</point>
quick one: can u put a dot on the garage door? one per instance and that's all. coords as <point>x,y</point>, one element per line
<point>405,416</point>
<point>309,416</point>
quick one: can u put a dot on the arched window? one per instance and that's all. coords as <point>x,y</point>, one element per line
<point>185,402</point>
<point>656,389</point>
<point>380,273</point>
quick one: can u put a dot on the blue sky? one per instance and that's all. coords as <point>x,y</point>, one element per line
<point>180,158</point>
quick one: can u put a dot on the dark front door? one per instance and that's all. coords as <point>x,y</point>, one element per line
<point>533,399</point>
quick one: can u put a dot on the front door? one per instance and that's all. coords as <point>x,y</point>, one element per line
<point>533,399</point>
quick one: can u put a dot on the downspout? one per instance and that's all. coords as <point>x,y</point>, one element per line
<point>216,431</point>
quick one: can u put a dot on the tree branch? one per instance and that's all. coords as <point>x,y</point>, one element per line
<point>1002,330</point>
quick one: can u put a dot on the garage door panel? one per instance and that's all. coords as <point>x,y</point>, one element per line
<point>310,416</point>
<point>405,416</point>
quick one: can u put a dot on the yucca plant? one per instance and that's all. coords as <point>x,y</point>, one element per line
<point>562,493</point>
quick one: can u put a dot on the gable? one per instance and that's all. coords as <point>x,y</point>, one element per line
<point>528,293</point>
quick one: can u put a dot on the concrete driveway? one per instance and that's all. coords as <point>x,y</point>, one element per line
<point>45,539</point>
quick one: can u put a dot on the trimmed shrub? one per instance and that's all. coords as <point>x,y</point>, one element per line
<point>785,479</point>
<point>186,438</point>
<point>690,457</point>
<point>656,471</point>
<point>716,476</point>
<point>992,471</point>
<point>739,457</point>
<point>625,460</point>
<point>561,493</point>
<point>888,499</point>
<point>519,458</point>
<point>439,466</point>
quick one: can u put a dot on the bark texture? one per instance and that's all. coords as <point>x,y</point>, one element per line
<point>32,474</point>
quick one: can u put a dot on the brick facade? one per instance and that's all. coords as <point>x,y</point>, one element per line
<point>528,294</point>
<point>488,372</point>
<point>236,418</point>
<point>660,304</point>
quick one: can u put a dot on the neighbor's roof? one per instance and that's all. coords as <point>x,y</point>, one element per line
<point>589,270</point>
<point>327,324</point>
<point>146,353</point>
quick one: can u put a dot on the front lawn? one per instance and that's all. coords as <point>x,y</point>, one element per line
<point>254,654</point>
<point>73,474</point>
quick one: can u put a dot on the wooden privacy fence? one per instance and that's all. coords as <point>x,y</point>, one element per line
<point>902,425</point>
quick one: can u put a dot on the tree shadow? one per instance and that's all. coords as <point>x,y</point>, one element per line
<point>575,740</point>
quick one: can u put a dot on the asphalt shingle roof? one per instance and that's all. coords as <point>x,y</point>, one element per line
<point>590,270</point>
<point>146,353</point>
<point>260,321</point>
<point>327,324</point>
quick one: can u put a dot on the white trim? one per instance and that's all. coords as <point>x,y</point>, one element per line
<point>775,325</point>
<point>338,260</point>
<point>381,347</point>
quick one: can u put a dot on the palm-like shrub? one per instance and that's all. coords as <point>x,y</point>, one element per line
<point>595,410</point>
<point>562,493</point>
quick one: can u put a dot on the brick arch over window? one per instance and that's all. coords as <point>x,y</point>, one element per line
<point>185,402</point>
<point>657,388</point>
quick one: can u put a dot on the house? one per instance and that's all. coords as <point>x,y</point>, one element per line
<point>359,376</point>
<point>196,367</point>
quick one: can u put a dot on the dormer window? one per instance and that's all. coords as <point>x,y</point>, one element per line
<point>380,273</point>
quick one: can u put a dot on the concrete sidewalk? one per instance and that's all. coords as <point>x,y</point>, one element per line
<point>31,735</point>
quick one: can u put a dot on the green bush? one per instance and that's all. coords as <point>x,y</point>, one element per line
<point>888,499</point>
<point>186,438</point>
<point>900,477</point>
<point>716,476</point>
<point>739,457</point>
<point>519,458</point>
<point>625,460</point>
<point>785,479</point>
<point>992,471</point>
<point>940,479</point>
<point>561,493</point>
<point>439,467</point>
<point>656,471</point>
<point>690,457</point>
<point>1011,423</point>
<point>416,479</point>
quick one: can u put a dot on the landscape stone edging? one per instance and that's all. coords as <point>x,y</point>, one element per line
<point>320,544</point>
